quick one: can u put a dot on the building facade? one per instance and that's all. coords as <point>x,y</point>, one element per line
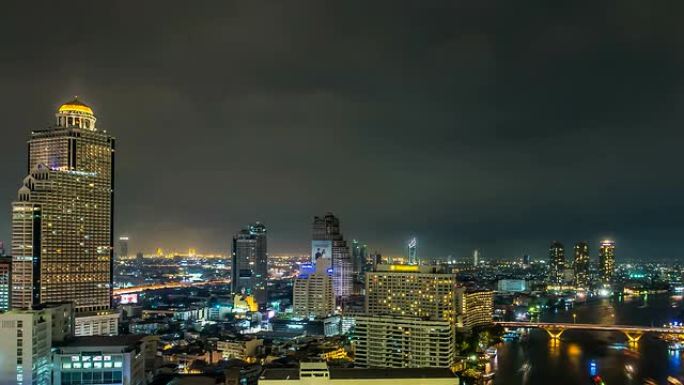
<point>411,290</point>
<point>62,220</point>
<point>556,263</point>
<point>476,307</point>
<point>250,262</point>
<point>607,261</point>
<point>101,360</point>
<point>580,265</point>
<point>403,342</point>
<point>5,283</point>
<point>313,295</point>
<point>26,337</point>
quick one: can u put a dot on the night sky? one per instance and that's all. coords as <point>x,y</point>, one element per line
<point>501,125</point>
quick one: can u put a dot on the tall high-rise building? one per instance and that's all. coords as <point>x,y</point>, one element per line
<point>384,341</point>
<point>123,246</point>
<point>328,246</point>
<point>2,249</point>
<point>580,265</point>
<point>250,262</point>
<point>360,265</point>
<point>312,295</point>
<point>607,261</point>
<point>62,242</point>
<point>476,257</point>
<point>411,290</point>
<point>556,263</point>
<point>413,251</point>
<point>5,283</point>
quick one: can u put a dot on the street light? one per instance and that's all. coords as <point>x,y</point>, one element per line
<point>574,318</point>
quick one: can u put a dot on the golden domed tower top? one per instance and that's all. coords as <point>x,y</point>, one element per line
<point>75,113</point>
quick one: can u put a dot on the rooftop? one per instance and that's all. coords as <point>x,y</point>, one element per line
<point>92,341</point>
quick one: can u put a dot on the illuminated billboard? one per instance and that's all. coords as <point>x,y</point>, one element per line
<point>128,298</point>
<point>321,249</point>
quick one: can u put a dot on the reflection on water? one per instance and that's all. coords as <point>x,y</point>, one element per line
<point>579,355</point>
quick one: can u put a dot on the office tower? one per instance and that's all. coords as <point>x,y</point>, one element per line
<point>607,261</point>
<point>411,290</point>
<point>556,263</point>
<point>476,257</point>
<point>250,259</point>
<point>580,265</point>
<point>359,262</point>
<point>5,283</point>
<point>26,337</point>
<point>123,247</point>
<point>386,341</point>
<point>313,295</point>
<point>413,251</point>
<point>328,246</point>
<point>475,307</point>
<point>62,220</point>
<point>2,249</point>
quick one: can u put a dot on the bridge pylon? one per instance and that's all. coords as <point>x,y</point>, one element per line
<point>554,332</point>
<point>633,336</point>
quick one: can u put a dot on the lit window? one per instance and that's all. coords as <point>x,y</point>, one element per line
<point>87,365</point>
<point>117,364</point>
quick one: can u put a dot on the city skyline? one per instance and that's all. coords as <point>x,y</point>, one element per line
<point>446,128</point>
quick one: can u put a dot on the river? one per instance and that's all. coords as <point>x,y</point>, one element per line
<point>581,354</point>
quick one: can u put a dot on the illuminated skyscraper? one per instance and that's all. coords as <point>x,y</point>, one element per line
<point>359,263</point>
<point>62,220</point>
<point>413,251</point>
<point>581,265</point>
<point>476,257</point>
<point>328,246</point>
<point>250,262</point>
<point>411,290</point>
<point>556,263</point>
<point>607,261</point>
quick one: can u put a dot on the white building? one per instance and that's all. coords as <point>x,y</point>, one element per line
<point>314,373</point>
<point>512,285</point>
<point>313,296</point>
<point>100,323</point>
<point>118,360</point>
<point>26,337</point>
<point>403,342</point>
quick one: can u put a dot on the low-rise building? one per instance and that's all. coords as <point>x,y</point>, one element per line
<point>245,349</point>
<point>97,323</point>
<point>101,360</point>
<point>312,373</point>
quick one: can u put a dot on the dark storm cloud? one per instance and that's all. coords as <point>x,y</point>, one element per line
<point>493,124</point>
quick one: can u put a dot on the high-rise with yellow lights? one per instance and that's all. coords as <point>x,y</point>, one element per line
<point>580,265</point>
<point>411,290</point>
<point>556,263</point>
<point>62,220</point>
<point>607,261</point>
